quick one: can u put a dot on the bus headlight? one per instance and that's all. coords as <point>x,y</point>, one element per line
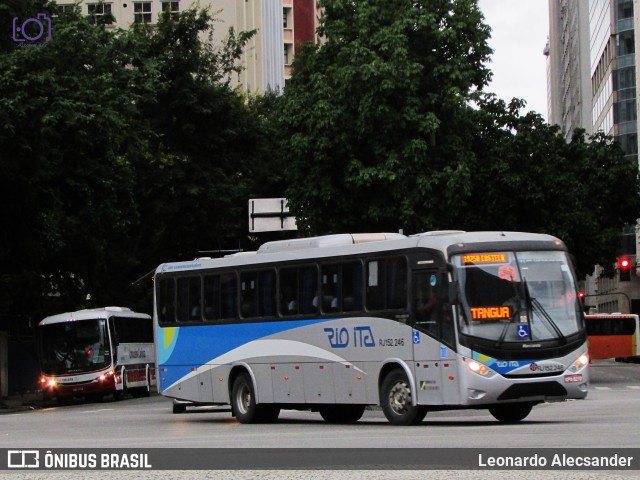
<point>47,382</point>
<point>582,361</point>
<point>480,369</point>
<point>106,376</point>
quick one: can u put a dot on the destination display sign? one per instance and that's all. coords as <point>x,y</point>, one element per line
<point>484,258</point>
<point>490,313</point>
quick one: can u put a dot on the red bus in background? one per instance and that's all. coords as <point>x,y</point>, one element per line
<point>613,335</point>
<point>96,352</point>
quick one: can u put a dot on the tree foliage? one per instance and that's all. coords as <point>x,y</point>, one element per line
<point>527,177</point>
<point>119,150</point>
<point>387,126</point>
<point>368,115</point>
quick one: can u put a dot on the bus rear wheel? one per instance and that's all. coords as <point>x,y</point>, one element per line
<point>396,400</point>
<point>144,391</point>
<point>342,413</point>
<point>511,413</point>
<point>244,406</point>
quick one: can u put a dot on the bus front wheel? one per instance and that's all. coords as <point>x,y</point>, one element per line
<point>244,406</point>
<point>511,413</point>
<point>396,400</point>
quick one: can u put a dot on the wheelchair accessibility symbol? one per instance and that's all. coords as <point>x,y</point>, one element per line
<point>523,331</point>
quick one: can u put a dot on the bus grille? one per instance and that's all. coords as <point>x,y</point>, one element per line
<point>546,389</point>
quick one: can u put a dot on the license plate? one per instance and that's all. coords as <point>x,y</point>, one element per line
<point>573,378</point>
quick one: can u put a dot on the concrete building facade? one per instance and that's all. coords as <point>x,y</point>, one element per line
<point>592,54</point>
<point>262,61</point>
<point>592,77</point>
<point>568,76</point>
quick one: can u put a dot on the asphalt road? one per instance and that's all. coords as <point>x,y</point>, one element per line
<point>607,418</point>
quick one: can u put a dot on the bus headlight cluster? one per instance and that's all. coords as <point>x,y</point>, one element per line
<point>582,361</point>
<point>480,369</point>
<point>106,376</point>
<point>47,382</point>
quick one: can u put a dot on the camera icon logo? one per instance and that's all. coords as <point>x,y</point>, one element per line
<point>32,29</point>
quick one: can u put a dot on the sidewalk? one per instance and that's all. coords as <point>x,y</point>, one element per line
<point>20,402</point>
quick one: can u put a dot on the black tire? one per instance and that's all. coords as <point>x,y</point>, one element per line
<point>511,413</point>
<point>179,408</point>
<point>395,399</point>
<point>243,400</point>
<point>342,413</point>
<point>145,391</point>
<point>243,403</point>
<point>125,389</point>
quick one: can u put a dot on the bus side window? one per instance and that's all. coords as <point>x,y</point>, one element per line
<point>397,283</point>
<point>195,299</point>
<point>307,289</point>
<point>211,297</point>
<point>351,294</point>
<point>375,276</point>
<point>288,291</point>
<point>228,296</point>
<point>248,295</point>
<point>426,301</point>
<point>386,287</point>
<point>430,301</point>
<point>328,300</point>
<point>267,293</point>
<point>167,300</point>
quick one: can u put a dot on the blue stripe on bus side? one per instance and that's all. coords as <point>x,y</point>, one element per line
<point>194,346</point>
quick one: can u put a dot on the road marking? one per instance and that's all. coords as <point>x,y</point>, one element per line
<point>96,411</point>
<point>602,388</point>
<point>633,387</point>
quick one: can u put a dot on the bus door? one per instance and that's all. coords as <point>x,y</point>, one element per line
<point>433,339</point>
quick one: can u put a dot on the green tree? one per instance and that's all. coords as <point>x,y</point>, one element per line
<point>192,184</point>
<point>65,182</point>
<point>527,177</point>
<point>386,125</point>
<point>369,118</point>
<point>119,149</point>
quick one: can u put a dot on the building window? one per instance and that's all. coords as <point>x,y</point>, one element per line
<point>142,12</point>
<point>172,9</point>
<point>285,17</point>
<point>67,8</point>
<point>97,12</point>
<point>286,55</point>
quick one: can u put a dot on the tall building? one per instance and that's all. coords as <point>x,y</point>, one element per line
<point>568,76</point>
<point>591,58</point>
<point>300,19</point>
<point>279,24</point>
<point>592,78</point>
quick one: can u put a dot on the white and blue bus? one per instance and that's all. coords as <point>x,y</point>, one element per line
<point>333,324</point>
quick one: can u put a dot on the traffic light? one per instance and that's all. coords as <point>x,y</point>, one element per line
<point>582,297</point>
<point>624,268</point>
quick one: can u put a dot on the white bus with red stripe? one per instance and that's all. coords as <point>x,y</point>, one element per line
<point>96,352</point>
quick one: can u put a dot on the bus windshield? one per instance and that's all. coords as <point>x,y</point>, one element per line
<point>517,296</point>
<point>74,347</point>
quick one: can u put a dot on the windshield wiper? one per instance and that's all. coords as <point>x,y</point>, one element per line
<point>537,306</point>
<point>527,301</point>
<point>505,329</point>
